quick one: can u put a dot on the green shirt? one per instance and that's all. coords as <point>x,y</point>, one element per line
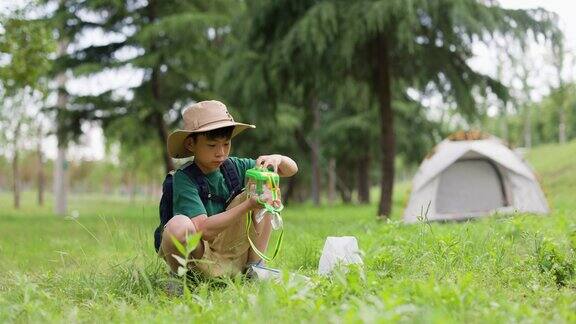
<point>185,192</point>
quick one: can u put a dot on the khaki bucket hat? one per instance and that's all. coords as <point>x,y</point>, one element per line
<point>202,117</point>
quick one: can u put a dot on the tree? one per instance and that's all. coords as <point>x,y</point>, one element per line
<point>259,75</point>
<point>524,76</point>
<point>26,46</point>
<point>12,118</point>
<point>559,54</point>
<point>549,119</point>
<point>139,161</point>
<point>63,29</point>
<point>61,165</point>
<point>392,45</point>
<point>176,45</point>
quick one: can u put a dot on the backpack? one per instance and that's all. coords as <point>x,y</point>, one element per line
<point>228,169</point>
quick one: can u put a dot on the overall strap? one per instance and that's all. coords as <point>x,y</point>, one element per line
<point>228,169</point>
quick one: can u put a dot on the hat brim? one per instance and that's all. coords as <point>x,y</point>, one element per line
<point>176,139</point>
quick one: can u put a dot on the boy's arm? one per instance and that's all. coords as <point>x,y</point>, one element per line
<point>187,202</point>
<point>213,225</point>
<point>283,165</point>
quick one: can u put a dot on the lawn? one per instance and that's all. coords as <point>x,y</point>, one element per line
<point>101,266</point>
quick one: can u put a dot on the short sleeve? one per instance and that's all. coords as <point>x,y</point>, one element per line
<point>243,164</point>
<point>186,200</point>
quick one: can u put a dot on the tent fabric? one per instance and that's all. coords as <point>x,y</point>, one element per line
<point>472,178</point>
<point>455,193</point>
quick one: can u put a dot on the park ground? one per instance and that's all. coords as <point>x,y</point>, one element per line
<point>100,266</point>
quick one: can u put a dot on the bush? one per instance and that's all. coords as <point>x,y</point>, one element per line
<point>552,261</point>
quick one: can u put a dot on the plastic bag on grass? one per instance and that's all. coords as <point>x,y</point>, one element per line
<point>339,251</point>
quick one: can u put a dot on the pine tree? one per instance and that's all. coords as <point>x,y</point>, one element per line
<point>392,45</point>
<point>176,45</point>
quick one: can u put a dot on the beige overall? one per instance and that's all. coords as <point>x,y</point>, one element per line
<point>228,253</point>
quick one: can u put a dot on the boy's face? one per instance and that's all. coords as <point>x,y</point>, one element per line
<point>209,154</point>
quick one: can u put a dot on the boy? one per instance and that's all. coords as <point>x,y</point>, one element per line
<point>224,248</point>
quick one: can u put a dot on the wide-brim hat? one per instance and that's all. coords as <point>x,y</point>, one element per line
<point>202,117</point>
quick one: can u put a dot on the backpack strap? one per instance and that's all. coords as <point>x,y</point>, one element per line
<point>230,173</point>
<point>165,208</point>
<point>228,169</point>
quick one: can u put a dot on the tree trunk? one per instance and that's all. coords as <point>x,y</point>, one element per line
<point>364,179</point>
<point>504,133</point>
<point>289,192</point>
<point>527,131</point>
<point>527,127</point>
<point>60,176</point>
<point>132,186</point>
<point>41,179</point>
<point>16,180</point>
<point>15,168</point>
<point>315,151</point>
<point>343,181</point>
<point>60,182</point>
<point>504,123</point>
<point>331,181</point>
<point>162,131</point>
<point>559,56</point>
<point>382,85</point>
<point>157,115</point>
<point>561,117</point>
<point>161,128</point>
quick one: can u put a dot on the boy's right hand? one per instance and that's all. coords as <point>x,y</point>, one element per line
<point>254,204</point>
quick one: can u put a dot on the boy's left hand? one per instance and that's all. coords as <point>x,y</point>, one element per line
<point>267,197</point>
<point>266,161</point>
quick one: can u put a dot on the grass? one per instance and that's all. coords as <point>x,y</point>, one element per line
<point>101,266</point>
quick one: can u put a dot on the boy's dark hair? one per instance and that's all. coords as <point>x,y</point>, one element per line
<point>224,132</point>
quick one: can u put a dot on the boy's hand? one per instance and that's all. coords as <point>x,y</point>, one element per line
<point>265,161</point>
<point>267,198</point>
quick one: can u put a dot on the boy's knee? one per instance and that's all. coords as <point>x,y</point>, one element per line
<point>179,227</point>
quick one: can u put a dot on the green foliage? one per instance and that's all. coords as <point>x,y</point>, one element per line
<point>544,118</point>
<point>176,45</point>
<point>274,61</point>
<point>386,47</point>
<point>26,45</point>
<point>429,41</point>
<point>416,135</point>
<point>548,111</point>
<point>551,261</point>
<point>25,49</point>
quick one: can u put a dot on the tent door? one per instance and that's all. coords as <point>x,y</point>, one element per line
<point>470,186</point>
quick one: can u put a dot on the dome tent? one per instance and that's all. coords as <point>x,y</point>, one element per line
<point>472,174</point>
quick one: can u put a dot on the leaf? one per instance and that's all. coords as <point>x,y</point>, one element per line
<point>178,245</point>
<point>192,242</point>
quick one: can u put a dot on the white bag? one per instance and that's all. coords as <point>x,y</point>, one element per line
<point>339,250</point>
